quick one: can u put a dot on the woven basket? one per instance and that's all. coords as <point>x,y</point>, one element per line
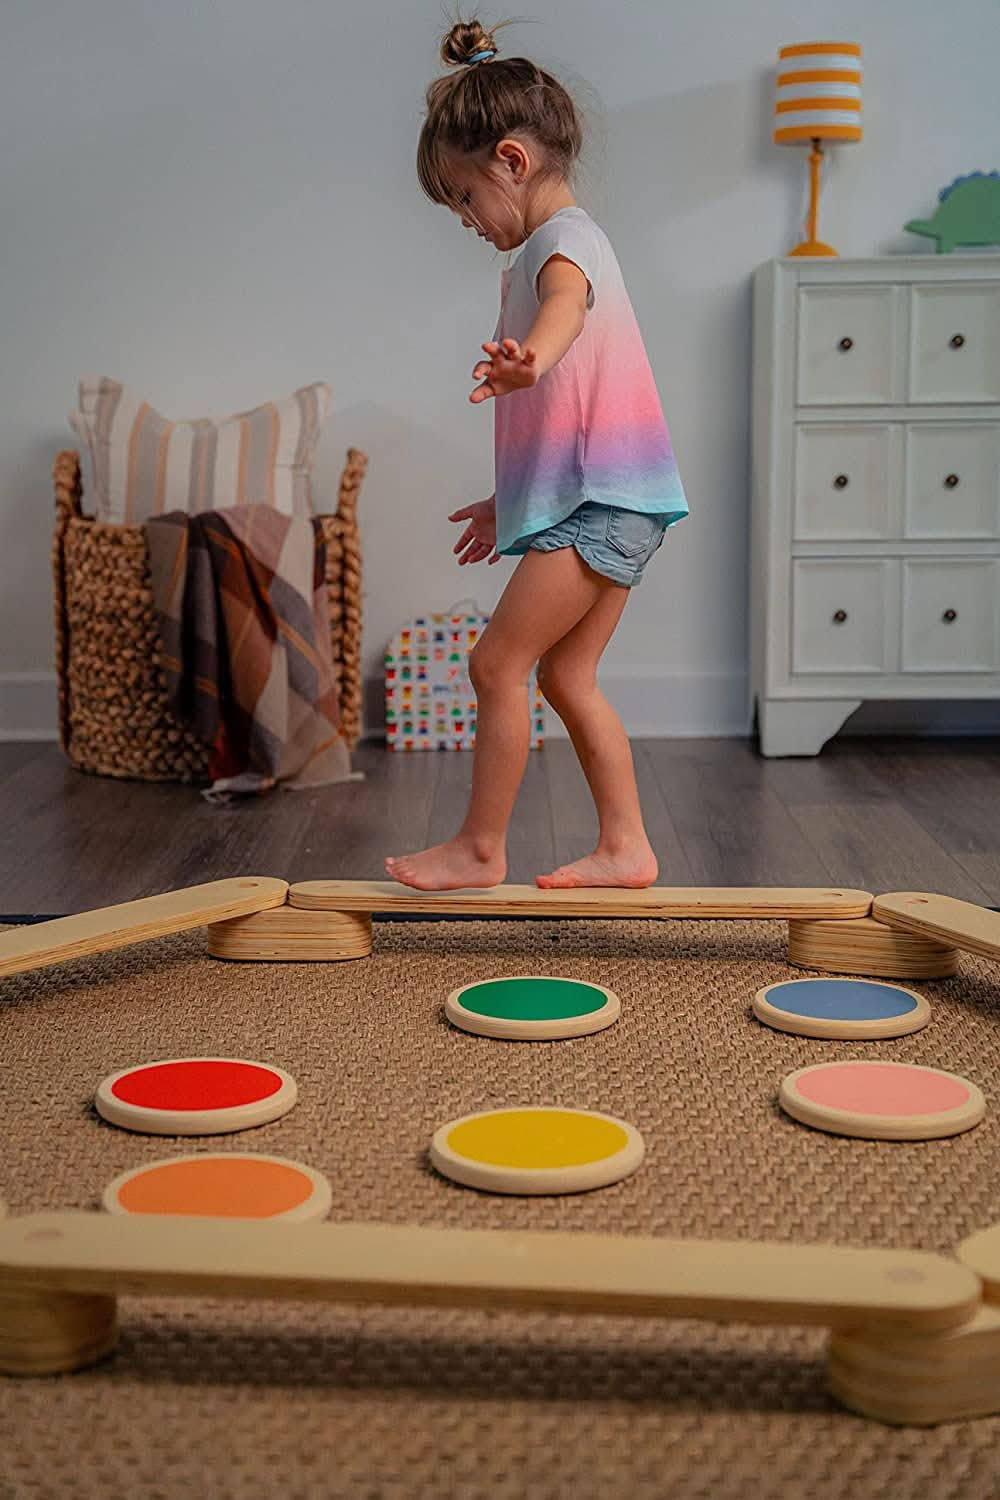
<point>113,714</point>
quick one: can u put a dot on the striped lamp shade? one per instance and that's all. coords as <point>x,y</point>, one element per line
<point>818,93</point>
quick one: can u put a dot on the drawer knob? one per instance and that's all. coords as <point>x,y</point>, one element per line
<point>847,344</point>
<point>841,481</point>
<point>949,615</point>
<point>951,481</point>
<point>839,616</point>
<point>957,340</point>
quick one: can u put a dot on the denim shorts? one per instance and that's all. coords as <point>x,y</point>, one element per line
<point>616,543</point>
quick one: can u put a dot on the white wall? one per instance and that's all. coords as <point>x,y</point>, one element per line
<point>217,202</point>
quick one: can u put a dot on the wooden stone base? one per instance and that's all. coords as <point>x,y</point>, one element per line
<point>919,1378</point>
<point>918,1381</point>
<point>859,945</point>
<point>50,1333</point>
<point>291,934</point>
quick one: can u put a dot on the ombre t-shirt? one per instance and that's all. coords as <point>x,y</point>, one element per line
<point>592,428</point>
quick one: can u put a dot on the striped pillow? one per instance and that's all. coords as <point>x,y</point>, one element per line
<point>145,465</point>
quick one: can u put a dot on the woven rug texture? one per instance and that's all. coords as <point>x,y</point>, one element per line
<point>250,1400</point>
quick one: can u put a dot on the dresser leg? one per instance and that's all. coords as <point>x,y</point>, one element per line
<point>800,726</point>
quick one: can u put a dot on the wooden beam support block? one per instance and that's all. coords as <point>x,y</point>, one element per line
<point>919,1380</point>
<point>48,1333</point>
<point>944,918</point>
<point>56,942</point>
<point>613,902</point>
<point>861,945</point>
<point>981,1253</point>
<point>107,1255</point>
<point>292,934</point>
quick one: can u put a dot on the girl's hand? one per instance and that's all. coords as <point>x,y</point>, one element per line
<point>479,538</point>
<point>510,367</point>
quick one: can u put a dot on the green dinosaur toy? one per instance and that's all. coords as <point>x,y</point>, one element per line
<point>969,213</point>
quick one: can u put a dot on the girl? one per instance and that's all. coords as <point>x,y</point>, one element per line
<point>586,482</point>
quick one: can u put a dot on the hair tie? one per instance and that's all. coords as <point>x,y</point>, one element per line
<point>480,56</point>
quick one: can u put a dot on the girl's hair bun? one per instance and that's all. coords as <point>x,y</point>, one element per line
<point>463,41</point>
<point>473,108</point>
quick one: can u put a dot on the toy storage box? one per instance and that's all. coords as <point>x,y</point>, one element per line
<point>429,702</point>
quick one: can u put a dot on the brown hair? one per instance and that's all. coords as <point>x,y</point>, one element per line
<point>475,108</point>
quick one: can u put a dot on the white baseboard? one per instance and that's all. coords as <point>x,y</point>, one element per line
<point>651,704</point>
<point>671,705</point>
<point>28,706</point>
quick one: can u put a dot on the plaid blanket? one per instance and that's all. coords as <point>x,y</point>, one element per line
<point>241,602</point>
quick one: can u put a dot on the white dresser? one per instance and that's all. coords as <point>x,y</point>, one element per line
<point>876,488</point>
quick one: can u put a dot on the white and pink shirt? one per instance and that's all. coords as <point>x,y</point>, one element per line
<point>592,428</point>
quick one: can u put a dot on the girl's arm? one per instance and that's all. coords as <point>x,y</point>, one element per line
<point>562,294</point>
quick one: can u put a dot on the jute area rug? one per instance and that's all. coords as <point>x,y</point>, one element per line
<point>252,1399</point>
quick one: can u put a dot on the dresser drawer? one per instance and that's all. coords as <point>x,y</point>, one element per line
<point>843,614</point>
<point>955,342</point>
<point>952,480</point>
<point>848,341</point>
<point>950,615</point>
<point>846,481</point>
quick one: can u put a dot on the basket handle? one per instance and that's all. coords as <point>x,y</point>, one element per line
<point>68,486</point>
<point>69,507</point>
<point>350,484</point>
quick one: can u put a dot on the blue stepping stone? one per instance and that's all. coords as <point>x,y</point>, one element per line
<point>850,1009</point>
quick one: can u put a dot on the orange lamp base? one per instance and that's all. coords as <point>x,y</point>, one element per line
<point>813,247</point>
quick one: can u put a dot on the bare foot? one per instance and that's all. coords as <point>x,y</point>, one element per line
<point>634,867</point>
<point>448,867</point>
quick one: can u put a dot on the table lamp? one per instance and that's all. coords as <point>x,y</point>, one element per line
<point>817,99</point>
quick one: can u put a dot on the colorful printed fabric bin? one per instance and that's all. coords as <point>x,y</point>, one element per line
<point>429,702</point>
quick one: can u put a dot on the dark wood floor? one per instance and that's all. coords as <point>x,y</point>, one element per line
<point>878,814</point>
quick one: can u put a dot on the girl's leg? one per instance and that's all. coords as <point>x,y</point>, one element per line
<point>548,593</point>
<point>567,674</point>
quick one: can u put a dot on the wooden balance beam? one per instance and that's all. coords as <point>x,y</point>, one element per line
<point>912,1339</point>
<point>829,929</point>
<point>262,919</point>
<point>386,896</point>
<point>973,928</point>
<point>902,935</point>
<point>61,1275</point>
<point>43,943</point>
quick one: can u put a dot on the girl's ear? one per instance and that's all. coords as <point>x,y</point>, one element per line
<point>513,157</point>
